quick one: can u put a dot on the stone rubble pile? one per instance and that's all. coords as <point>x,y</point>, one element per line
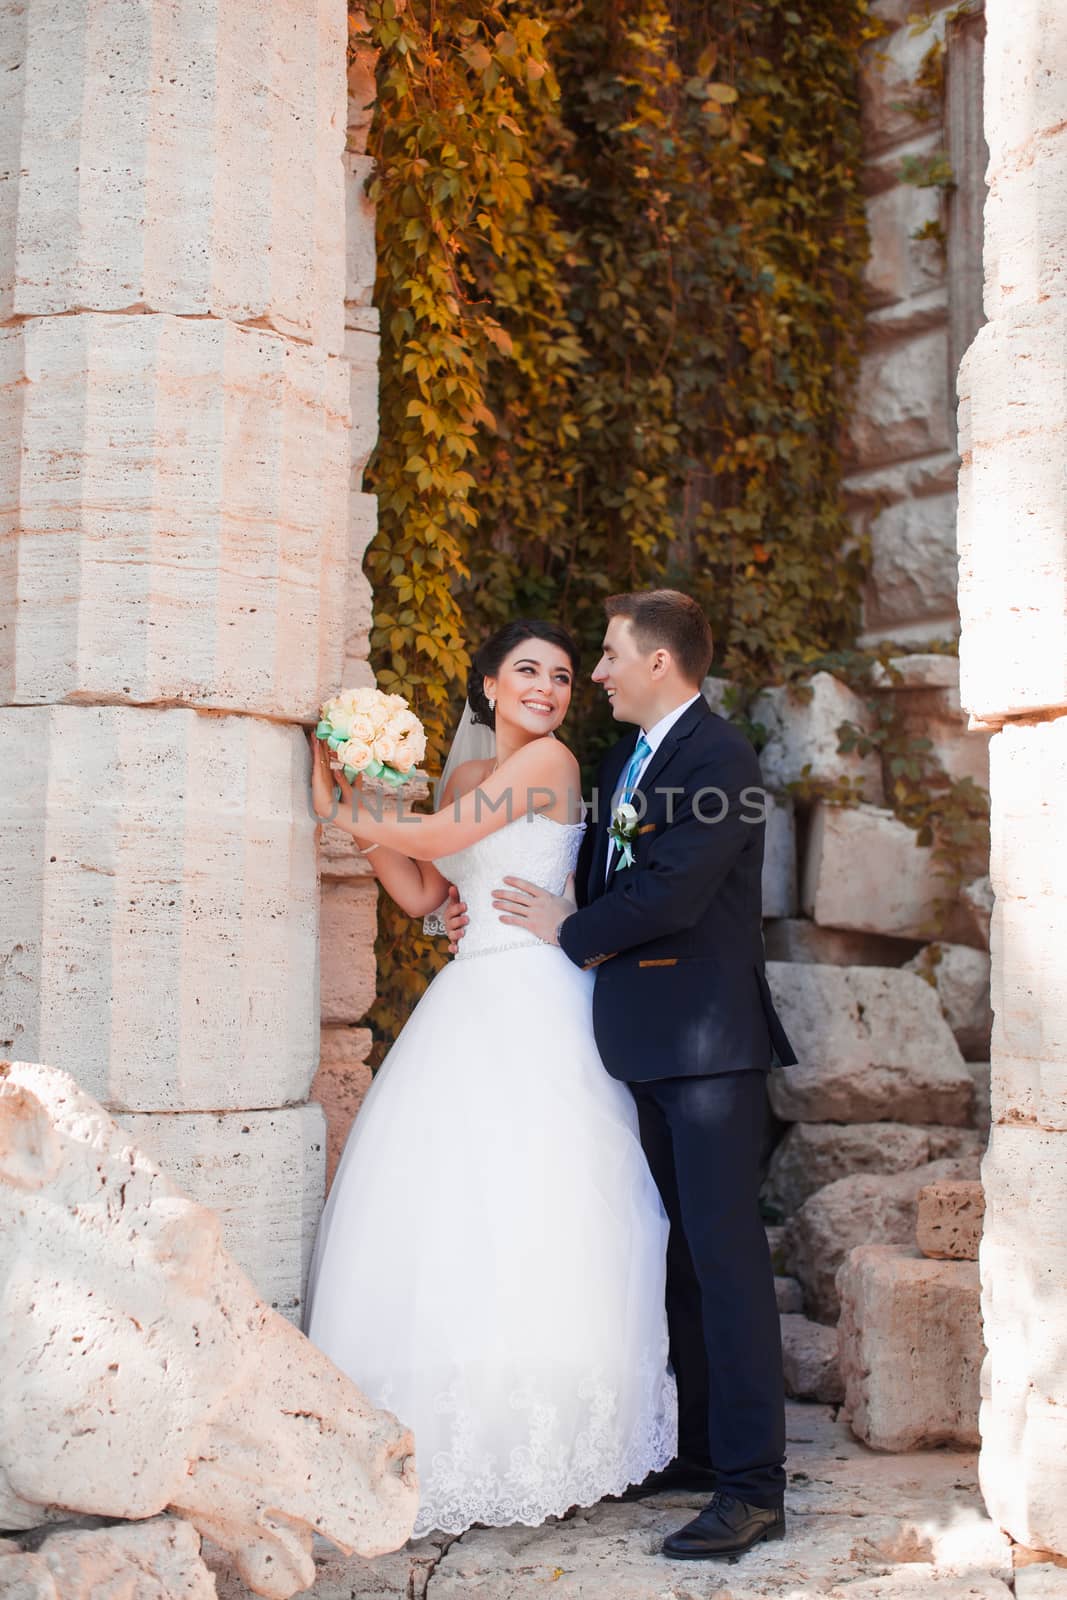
<point>885,994</point>
<point>143,1375</point>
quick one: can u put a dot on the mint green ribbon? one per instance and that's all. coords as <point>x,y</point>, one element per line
<point>374,769</point>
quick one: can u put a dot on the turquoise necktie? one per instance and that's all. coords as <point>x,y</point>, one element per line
<point>637,760</point>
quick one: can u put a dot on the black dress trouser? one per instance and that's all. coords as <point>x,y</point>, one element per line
<point>704,1139</point>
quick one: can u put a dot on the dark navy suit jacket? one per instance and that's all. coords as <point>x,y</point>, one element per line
<point>677,938</point>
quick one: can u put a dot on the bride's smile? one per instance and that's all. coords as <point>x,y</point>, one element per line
<point>530,694</point>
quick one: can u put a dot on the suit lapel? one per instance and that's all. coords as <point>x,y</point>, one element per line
<point>615,765</point>
<point>613,770</point>
<point>685,725</point>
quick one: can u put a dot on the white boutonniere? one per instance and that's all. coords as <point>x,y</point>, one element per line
<point>623,832</point>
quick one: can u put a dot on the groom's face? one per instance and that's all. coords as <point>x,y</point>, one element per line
<point>625,672</point>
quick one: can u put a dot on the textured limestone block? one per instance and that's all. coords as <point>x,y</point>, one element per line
<point>1024,1304</point>
<point>813,1154</point>
<point>361,258</point>
<point>809,1360</point>
<point>913,563</point>
<point>911,1348</point>
<point>1013,513</point>
<point>949,1222</point>
<point>880,486</point>
<point>340,1085</point>
<point>960,976</point>
<point>361,352</point>
<point>143,1373</point>
<point>872,1046</point>
<point>871,1208</point>
<point>1029,925</point>
<point>1040,1580</point>
<point>900,265</point>
<point>925,689</point>
<point>362,89</point>
<point>349,925</point>
<point>964,139</point>
<point>197,169</point>
<point>788,1295</point>
<point>159,904</point>
<point>776,1246</point>
<point>976,910</point>
<point>780,858</point>
<point>891,98</point>
<point>180,525</point>
<point>719,693</point>
<point>154,1560</point>
<point>362,527</point>
<point>339,856</point>
<point>904,321</point>
<point>902,401</point>
<point>918,672</point>
<point>262,1173</point>
<point>1026,120</point>
<point>802,732</point>
<point>797,939</point>
<point>981,1072</point>
<point>864,871</point>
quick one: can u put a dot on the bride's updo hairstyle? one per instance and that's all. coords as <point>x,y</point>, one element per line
<point>495,651</point>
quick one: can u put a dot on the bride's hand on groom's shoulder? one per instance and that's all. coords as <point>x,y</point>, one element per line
<point>455,918</point>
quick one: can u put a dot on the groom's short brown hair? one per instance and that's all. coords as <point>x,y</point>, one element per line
<point>666,619</point>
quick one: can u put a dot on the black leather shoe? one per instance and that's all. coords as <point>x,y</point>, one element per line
<point>725,1527</point>
<point>677,1477</point>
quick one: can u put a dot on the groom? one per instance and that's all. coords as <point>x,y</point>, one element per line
<point>669,914</point>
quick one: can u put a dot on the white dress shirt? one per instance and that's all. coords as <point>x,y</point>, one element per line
<point>653,738</point>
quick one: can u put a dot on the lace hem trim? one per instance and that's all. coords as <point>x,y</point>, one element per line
<point>555,1468</point>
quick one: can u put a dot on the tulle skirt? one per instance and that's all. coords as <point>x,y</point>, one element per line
<point>490,1263</point>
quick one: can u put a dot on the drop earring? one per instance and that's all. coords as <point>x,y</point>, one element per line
<point>492,703</point>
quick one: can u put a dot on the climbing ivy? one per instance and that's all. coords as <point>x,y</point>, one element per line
<point>620,253</point>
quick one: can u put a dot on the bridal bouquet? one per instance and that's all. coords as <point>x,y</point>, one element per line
<point>373,733</point>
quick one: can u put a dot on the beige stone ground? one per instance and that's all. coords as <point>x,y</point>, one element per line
<point>862,1526</point>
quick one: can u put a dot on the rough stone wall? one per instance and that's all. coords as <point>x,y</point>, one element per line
<point>892,1084</point>
<point>174,434</point>
<point>902,487</point>
<point>1013,580</point>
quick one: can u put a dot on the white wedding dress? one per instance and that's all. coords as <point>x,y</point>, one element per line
<point>490,1262</point>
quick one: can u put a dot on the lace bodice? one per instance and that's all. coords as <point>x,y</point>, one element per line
<point>533,847</point>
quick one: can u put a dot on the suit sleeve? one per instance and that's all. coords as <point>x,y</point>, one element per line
<point>687,863</point>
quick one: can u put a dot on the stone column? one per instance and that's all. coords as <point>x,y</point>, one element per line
<point>1013,586</point>
<point>174,422</point>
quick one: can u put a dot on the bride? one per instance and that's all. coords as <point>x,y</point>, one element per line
<point>490,1262</point>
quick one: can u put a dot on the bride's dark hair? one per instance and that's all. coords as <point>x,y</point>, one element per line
<point>495,651</point>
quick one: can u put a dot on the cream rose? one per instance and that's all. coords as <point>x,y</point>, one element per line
<point>355,753</point>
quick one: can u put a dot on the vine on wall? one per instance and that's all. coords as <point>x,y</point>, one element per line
<point>620,259</point>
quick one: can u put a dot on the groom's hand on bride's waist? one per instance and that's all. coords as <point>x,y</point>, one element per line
<point>525,905</point>
<point>455,918</point>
